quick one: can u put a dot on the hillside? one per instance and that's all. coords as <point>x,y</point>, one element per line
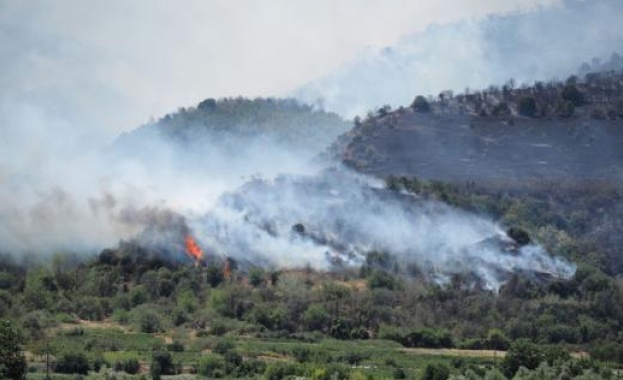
<point>555,131</point>
<point>235,130</point>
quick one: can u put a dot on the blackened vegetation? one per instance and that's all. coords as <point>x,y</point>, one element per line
<point>553,131</point>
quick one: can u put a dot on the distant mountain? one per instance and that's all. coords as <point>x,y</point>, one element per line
<point>543,43</point>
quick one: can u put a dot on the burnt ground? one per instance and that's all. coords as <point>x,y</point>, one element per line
<point>463,147</point>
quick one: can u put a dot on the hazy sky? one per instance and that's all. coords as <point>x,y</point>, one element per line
<point>111,64</point>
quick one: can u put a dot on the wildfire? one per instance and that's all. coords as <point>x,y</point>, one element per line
<point>192,248</point>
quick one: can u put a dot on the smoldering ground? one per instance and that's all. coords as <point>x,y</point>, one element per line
<point>334,217</point>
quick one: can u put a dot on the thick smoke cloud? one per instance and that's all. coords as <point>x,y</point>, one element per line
<point>336,217</point>
<point>540,44</point>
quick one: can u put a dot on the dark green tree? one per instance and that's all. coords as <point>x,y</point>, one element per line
<point>214,276</point>
<point>527,106</point>
<point>73,363</point>
<point>571,94</point>
<point>420,104</point>
<point>12,359</point>
<point>522,353</point>
<point>437,371</point>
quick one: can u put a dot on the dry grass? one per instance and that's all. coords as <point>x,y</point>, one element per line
<point>456,352</point>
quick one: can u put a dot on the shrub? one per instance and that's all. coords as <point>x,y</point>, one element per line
<point>496,340</point>
<point>527,106</point>
<point>73,363</point>
<point>438,371</point>
<point>223,346</point>
<point>522,353</point>
<point>420,104</point>
<point>211,366</point>
<point>571,94</point>
<point>147,321</point>
<point>175,347</point>
<point>399,373</point>
<point>163,362</point>
<point>501,109</point>
<point>565,109</point>
<point>214,276</point>
<point>315,317</point>
<point>381,279</point>
<point>281,370</point>
<point>131,366</point>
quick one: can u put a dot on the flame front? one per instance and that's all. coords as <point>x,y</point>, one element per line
<point>192,248</point>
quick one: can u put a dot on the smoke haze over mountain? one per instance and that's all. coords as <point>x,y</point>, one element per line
<point>540,44</point>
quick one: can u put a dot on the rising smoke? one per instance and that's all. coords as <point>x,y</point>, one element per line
<point>64,190</point>
<point>541,44</point>
<point>335,217</point>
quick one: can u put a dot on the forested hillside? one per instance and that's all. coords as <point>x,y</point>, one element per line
<point>235,125</point>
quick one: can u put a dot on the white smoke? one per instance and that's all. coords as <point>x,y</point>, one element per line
<point>540,44</point>
<point>336,217</point>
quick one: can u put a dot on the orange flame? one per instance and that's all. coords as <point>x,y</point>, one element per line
<point>193,249</point>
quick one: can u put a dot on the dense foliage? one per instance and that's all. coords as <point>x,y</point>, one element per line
<point>229,124</point>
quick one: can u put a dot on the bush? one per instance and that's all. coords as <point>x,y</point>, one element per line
<point>608,352</point>
<point>438,371</point>
<point>148,321</point>
<point>214,276</point>
<point>501,109</point>
<point>420,104</point>
<point>315,317</point>
<point>428,338</point>
<point>522,353</point>
<point>399,373</point>
<point>163,363</point>
<point>131,366</point>
<point>281,370</point>
<point>381,279</point>
<point>249,368</point>
<point>211,366</point>
<point>496,340</point>
<point>223,346</point>
<point>571,94</point>
<point>527,106</point>
<point>520,236</point>
<point>73,363</point>
<point>175,347</point>
<point>256,276</point>
<point>565,109</point>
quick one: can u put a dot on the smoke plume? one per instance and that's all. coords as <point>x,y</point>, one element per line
<point>539,44</point>
<point>333,218</point>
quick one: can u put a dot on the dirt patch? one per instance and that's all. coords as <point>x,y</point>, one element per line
<point>474,353</point>
<point>456,352</point>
